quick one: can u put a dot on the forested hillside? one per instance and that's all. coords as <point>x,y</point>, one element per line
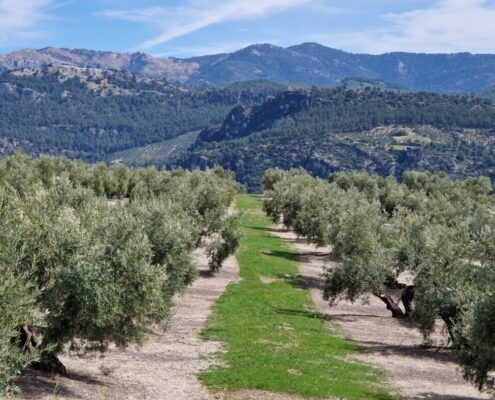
<point>328,130</point>
<point>95,115</point>
<point>88,113</point>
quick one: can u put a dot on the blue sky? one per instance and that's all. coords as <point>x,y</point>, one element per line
<point>185,28</point>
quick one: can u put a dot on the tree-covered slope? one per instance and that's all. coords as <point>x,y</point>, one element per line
<point>327,130</point>
<point>89,113</point>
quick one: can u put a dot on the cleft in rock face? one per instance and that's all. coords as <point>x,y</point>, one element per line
<point>243,121</point>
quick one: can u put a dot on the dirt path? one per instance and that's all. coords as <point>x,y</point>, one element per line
<point>394,345</point>
<point>166,367</point>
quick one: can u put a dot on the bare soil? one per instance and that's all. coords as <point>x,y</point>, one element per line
<point>258,395</point>
<point>165,367</point>
<point>394,345</point>
<point>168,364</point>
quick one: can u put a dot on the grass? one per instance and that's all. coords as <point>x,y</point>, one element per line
<point>275,339</point>
<point>411,137</point>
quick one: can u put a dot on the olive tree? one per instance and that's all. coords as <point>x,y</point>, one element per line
<point>91,264</point>
<point>80,273</point>
<point>429,241</point>
<point>17,313</point>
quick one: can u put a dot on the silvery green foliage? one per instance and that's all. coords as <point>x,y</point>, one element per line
<point>17,297</point>
<point>438,231</point>
<point>82,271</point>
<point>226,243</point>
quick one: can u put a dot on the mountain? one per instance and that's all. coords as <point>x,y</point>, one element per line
<point>115,116</point>
<point>89,113</point>
<point>306,64</point>
<point>137,63</point>
<point>329,130</point>
<point>488,93</point>
<point>314,64</point>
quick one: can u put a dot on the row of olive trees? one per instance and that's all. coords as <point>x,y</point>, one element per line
<point>80,272</point>
<point>430,239</point>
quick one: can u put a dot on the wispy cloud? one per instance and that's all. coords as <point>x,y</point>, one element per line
<point>216,48</point>
<point>174,22</point>
<point>20,19</point>
<point>446,26</point>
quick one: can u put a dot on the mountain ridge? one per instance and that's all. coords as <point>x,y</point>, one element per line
<point>303,64</point>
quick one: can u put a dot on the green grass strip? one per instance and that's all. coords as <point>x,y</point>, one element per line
<point>275,339</point>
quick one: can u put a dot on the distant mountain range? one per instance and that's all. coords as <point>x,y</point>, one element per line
<point>364,123</point>
<point>306,64</point>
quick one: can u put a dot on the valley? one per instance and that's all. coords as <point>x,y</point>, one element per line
<point>270,223</point>
<point>247,127</point>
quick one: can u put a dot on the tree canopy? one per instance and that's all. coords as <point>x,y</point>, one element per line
<point>91,255</point>
<point>430,238</point>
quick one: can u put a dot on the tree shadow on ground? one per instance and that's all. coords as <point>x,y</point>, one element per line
<point>267,229</point>
<point>443,355</point>
<point>436,396</point>
<point>303,282</point>
<point>288,255</point>
<point>314,314</point>
<point>206,273</point>
<point>36,384</point>
<point>434,353</point>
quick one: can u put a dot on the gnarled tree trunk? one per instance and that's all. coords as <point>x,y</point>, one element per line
<point>407,299</point>
<point>391,305</point>
<point>48,361</point>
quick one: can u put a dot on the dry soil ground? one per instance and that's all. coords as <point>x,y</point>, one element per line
<point>393,345</point>
<point>166,367</point>
<point>168,364</point>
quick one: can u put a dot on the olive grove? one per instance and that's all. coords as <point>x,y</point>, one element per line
<point>429,239</point>
<point>91,256</point>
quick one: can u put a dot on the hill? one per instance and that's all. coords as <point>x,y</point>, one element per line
<point>305,64</point>
<point>115,116</point>
<point>488,94</point>
<point>89,113</point>
<point>328,130</point>
<point>136,63</point>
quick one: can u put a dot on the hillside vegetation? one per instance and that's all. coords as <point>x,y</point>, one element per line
<point>103,115</point>
<point>90,113</point>
<point>328,130</point>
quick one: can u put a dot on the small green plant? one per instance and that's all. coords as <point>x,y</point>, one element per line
<point>106,370</point>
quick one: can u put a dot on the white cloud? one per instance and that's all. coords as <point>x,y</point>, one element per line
<point>179,21</point>
<point>20,18</point>
<point>446,26</point>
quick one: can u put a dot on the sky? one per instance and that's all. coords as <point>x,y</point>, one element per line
<point>185,28</point>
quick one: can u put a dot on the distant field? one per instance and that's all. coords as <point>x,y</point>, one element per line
<point>156,153</point>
